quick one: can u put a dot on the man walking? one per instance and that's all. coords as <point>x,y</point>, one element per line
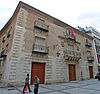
<point>36,85</point>
<point>27,84</point>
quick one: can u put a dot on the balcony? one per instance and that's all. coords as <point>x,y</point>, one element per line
<point>41,26</point>
<point>3,54</point>
<point>88,44</point>
<point>8,35</point>
<point>98,52</point>
<point>3,40</point>
<point>40,49</point>
<point>90,58</point>
<point>70,37</point>
<point>73,55</point>
<point>97,43</point>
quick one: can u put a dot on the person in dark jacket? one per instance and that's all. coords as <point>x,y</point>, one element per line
<point>36,85</point>
<point>27,84</point>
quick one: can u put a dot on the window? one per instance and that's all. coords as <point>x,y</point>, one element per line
<point>3,39</point>
<point>0,63</point>
<point>98,58</point>
<point>88,53</point>
<point>86,40</point>
<point>71,47</point>
<point>6,48</point>
<point>95,41</point>
<point>40,23</point>
<point>69,33</point>
<point>78,48</point>
<point>2,52</point>
<point>71,50</point>
<point>8,34</point>
<point>39,44</point>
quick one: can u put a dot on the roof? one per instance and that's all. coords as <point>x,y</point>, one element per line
<point>53,19</point>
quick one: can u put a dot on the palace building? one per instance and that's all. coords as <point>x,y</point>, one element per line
<point>36,43</point>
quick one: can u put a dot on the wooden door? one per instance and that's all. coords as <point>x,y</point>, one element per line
<point>72,72</point>
<point>38,69</point>
<point>91,71</point>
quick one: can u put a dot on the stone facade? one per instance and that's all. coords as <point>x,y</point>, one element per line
<point>96,42</point>
<point>56,57</point>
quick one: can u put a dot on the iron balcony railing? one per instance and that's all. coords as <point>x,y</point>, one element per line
<point>40,49</point>
<point>3,54</point>
<point>97,43</point>
<point>41,26</point>
<point>3,40</point>
<point>90,58</point>
<point>70,37</point>
<point>88,44</point>
<point>72,53</point>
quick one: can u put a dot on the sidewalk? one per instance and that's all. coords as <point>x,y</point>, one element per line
<point>74,87</point>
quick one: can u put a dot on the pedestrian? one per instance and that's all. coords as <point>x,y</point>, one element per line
<point>27,84</point>
<point>36,85</point>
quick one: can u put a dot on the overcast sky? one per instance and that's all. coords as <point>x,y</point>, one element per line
<point>73,12</point>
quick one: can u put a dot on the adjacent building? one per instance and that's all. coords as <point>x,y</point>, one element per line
<point>36,43</point>
<point>96,40</point>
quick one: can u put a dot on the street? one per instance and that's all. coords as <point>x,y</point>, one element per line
<point>91,86</point>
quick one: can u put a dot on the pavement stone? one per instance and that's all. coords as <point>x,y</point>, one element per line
<point>91,86</point>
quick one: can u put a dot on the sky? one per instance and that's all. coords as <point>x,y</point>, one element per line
<point>73,12</point>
